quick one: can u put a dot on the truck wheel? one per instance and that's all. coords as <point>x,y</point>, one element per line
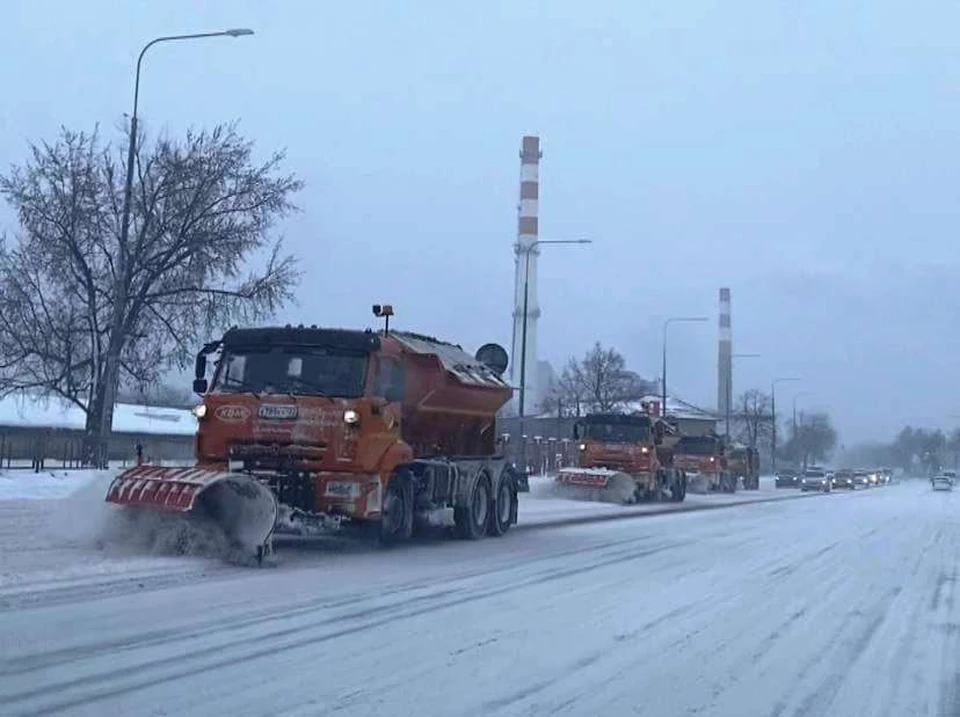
<point>504,507</point>
<point>471,519</point>
<point>678,491</point>
<point>396,520</point>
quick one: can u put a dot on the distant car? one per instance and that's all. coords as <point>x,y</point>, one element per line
<point>787,478</point>
<point>844,479</point>
<point>943,480</point>
<point>861,479</point>
<point>816,479</point>
<point>880,477</point>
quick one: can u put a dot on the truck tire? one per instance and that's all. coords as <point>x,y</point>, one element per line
<point>471,519</point>
<point>504,506</point>
<point>396,520</point>
<point>678,489</point>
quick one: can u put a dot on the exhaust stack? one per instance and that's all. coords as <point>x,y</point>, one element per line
<point>527,234</point>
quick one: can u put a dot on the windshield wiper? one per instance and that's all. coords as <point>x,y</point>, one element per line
<point>242,386</point>
<point>313,387</point>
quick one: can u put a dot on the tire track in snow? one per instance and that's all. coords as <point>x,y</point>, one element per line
<point>22,664</point>
<point>296,635</point>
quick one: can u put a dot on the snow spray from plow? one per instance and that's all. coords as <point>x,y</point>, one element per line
<point>245,509</point>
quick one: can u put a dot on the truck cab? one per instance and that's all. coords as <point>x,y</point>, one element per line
<point>619,442</point>
<point>744,462</point>
<point>705,462</point>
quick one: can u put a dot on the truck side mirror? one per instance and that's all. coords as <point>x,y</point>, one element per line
<point>576,431</point>
<point>200,386</point>
<point>657,433</point>
<point>200,368</point>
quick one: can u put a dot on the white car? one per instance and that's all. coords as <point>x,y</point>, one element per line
<point>944,480</point>
<point>816,479</point>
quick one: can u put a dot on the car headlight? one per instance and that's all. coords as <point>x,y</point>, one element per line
<point>351,417</point>
<point>199,411</point>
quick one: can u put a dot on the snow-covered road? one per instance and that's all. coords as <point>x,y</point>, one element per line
<point>835,605</point>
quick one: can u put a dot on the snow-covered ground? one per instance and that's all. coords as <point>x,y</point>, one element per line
<point>834,605</point>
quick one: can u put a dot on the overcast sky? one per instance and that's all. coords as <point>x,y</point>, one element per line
<point>801,153</point>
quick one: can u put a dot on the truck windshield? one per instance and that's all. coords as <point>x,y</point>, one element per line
<point>300,371</point>
<point>697,445</point>
<point>617,432</point>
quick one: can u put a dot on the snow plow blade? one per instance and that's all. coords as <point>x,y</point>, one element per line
<point>596,484</point>
<point>245,509</point>
<point>698,483</point>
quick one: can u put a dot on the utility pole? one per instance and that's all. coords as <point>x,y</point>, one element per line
<point>523,336</point>
<point>773,410</point>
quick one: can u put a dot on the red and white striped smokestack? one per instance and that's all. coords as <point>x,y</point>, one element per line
<point>530,154</point>
<point>527,232</point>
<point>725,359</point>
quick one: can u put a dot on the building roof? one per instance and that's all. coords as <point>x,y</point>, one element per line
<point>676,408</point>
<point>22,412</point>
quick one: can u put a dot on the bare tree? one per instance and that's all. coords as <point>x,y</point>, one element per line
<point>755,417</point>
<point>813,439</point>
<point>82,311</point>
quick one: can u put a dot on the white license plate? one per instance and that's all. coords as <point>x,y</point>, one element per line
<point>277,413</point>
<point>342,489</point>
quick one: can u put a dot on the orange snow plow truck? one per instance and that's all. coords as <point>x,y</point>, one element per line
<point>304,428</point>
<point>704,460</point>
<point>622,458</point>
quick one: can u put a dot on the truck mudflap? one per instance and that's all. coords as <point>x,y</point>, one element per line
<point>244,508</point>
<point>601,484</point>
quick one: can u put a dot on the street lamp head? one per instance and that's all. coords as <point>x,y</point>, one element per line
<point>686,318</point>
<point>238,32</point>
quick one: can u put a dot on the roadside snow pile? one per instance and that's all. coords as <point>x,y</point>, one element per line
<point>26,485</point>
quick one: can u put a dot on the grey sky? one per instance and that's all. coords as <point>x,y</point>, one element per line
<point>801,153</point>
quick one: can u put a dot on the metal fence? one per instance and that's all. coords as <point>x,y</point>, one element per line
<point>37,449</point>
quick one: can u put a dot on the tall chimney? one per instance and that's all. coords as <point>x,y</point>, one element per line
<point>527,233</point>
<point>725,361</point>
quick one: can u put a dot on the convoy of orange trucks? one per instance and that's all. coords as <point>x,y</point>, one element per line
<point>302,429</point>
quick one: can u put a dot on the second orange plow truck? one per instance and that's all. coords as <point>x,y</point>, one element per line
<point>304,428</point>
<point>624,458</point>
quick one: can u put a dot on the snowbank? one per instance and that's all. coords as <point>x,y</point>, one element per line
<point>46,485</point>
<point>127,418</point>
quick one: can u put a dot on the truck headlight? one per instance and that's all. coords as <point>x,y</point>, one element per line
<point>583,446</point>
<point>199,411</point>
<point>644,450</point>
<point>351,417</point>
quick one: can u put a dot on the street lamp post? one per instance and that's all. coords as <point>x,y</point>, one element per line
<point>729,392</point>
<point>131,149</point>
<point>122,254</point>
<point>773,411</point>
<point>663,372</point>
<point>523,333</point>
